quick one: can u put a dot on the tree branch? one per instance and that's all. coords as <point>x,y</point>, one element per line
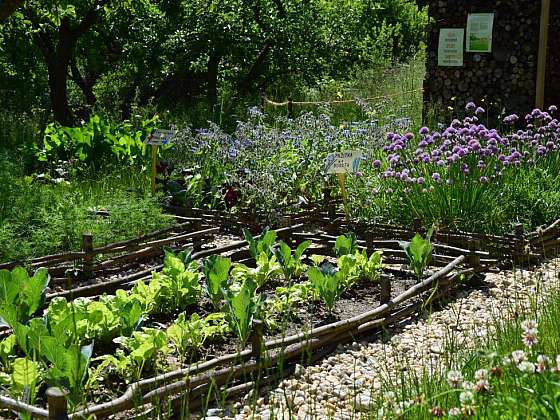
<point>89,19</point>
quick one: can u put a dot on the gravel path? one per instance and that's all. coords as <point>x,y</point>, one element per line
<point>341,385</point>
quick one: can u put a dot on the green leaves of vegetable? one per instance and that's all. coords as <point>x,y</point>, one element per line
<point>346,244</point>
<point>242,307</point>
<point>327,283</point>
<point>263,244</point>
<point>191,334</point>
<point>419,252</point>
<point>20,295</point>
<point>292,266</point>
<point>216,272</point>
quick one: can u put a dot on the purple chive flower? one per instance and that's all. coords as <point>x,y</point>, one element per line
<point>436,177</point>
<point>479,111</point>
<point>424,131</point>
<point>552,109</point>
<point>440,163</point>
<point>484,179</point>
<point>511,119</point>
<point>409,136</point>
<point>359,174</point>
<point>423,144</point>
<point>377,163</point>
<point>471,106</point>
<point>421,180</point>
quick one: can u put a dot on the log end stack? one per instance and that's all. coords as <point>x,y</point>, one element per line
<point>505,77</point>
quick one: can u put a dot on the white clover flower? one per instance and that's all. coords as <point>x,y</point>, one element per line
<point>468,385</point>
<point>543,362</point>
<point>390,398</point>
<point>558,363</point>
<point>454,378</point>
<point>469,410</point>
<point>466,397</point>
<point>530,338</point>
<point>381,414</point>
<point>506,361</point>
<point>454,412</point>
<point>482,385</point>
<point>481,374</point>
<point>526,367</point>
<point>518,356</point>
<point>529,324</point>
<point>403,405</point>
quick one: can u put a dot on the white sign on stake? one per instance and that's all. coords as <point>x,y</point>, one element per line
<point>160,137</point>
<point>343,162</point>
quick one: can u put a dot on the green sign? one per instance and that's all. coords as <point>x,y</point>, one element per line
<point>479,32</point>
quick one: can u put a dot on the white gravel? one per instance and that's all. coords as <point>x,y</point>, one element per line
<point>342,385</point>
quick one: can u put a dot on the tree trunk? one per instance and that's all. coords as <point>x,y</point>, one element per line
<point>59,93</point>
<point>212,80</point>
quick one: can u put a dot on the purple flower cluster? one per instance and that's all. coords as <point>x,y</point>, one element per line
<point>468,150</point>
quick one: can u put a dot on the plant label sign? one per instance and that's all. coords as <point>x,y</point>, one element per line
<point>479,32</point>
<point>450,48</point>
<point>160,137</point>
<point>343,162</point>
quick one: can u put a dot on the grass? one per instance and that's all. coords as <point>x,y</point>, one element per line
<point>489,383</point>
<point>43,217</point>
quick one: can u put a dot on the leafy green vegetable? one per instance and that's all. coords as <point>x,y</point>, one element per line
<point>346,244</point>
<point>191,334</point>
<point>242,307</point>
<point>358,266</point>
<point>216,272</point>
<point>25,377</point>
<point>264,244</point>
<point>419,252</point>
<point>327,283</point>
<point>20,295</point>
<point>267,268</point>
<point>292,265</point>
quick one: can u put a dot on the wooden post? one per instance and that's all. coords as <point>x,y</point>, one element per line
<point>543,53</point>
<point>197,241</point>
<point>417,225</point>
<point>384,290</point>
<point>473,259</point>
<point>154,167</point>
<point>257,341</point>
<point>290,108</point>
<point>519,232</point>
<point>342,183</point>
<point>57,405</point>
<point>87,247</point>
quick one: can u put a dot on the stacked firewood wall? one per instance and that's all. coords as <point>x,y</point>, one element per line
<point>505,77</point>
<point>552,91</point>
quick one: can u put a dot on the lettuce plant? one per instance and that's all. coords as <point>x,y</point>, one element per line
<point>328,284</point>
<point>242,306</point>
<point>292,265</point>
<point>20,295</point>
<point>346,244</point>
<point>191,334</point>
<point>267,268</point>
<point>216,272</point>
<point>419,253</point>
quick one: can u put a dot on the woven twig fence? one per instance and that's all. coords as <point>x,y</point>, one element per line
<point>193,380</point>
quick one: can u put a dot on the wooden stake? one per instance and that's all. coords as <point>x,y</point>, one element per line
<point>543,53</point>
<point>342,182</point>
<point>154,167</point>
<point>87,247</point>
<point>58,407</point>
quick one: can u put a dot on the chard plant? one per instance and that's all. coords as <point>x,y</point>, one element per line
<point>328,284</point>
<point>216,273</point>
<point>20,295</point>
<point>346,244</point>
<point>291,263</point>
<point>419,252</point>
<point>267,268</point>
<point>242,305</point>
<point>264,244</point>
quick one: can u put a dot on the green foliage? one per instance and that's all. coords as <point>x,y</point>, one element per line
<point>242,306</point>
<point>292,265</point>
<point>96,141</point>
<point>358,266</point>
<point>267,267</point>
<point>190,335</point>
<point>346,244</point>
<point>20,295</point>
<point>327,283</point>
<point>264,244</point>
<point>216,272</point>
<point>418,252</point>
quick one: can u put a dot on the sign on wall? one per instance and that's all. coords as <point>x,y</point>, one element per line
<point>479,32</point>
<point>450,47</point>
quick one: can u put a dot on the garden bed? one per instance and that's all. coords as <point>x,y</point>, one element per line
<point>360,308</point>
